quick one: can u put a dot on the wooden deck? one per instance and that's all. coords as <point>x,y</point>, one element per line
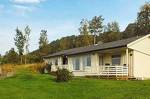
<point>111,72</point>
<point>114,71</point>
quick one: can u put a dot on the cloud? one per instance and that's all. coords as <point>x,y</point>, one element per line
<point>27,1</point>
<point>23,7</point>
<point>22,10</point>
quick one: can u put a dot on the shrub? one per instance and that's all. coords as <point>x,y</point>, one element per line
<point>7,70</point>
<point>41,69</point>
<point>63,75</point>
<point>37,68</point>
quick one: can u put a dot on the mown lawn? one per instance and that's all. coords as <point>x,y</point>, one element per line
<point>35,86</point>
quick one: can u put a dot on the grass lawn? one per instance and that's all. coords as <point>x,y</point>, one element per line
<point>26,85</point>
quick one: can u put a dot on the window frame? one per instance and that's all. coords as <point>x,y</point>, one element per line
<point>56,62</point>
<point>86,61</point>
<point>116,59</point>
<point>76,61</point>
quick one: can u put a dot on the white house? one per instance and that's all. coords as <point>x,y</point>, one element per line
<point>127,58</point>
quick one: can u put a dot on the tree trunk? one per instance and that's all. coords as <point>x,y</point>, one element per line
<point>21,59</point>
<point>25,60</point>
<point>94,38</point>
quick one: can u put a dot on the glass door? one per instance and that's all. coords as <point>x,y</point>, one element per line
<point>76,64</point>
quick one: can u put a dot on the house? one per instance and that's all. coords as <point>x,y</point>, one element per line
<point>127,58</point>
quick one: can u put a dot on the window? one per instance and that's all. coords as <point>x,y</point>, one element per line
<point>65,60</point>
<point>87,60</point>
<point>76,63</point>
<point>56,62</point>
<point>116,59</point>
<point>101,60</point>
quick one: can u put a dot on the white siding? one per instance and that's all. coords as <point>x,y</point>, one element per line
<point>94,69</point>
<point>141,58</point>
<point>141,65</point>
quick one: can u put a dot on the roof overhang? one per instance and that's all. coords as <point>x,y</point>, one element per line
<point>98,50</point>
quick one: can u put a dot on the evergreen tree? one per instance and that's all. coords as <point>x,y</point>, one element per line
<point>112,27</point>
<point>96,26</point>
<point>11,56</point>
<point>84,27</point>
<point>85,37</point>
<point>1,58</point>
<point>43,40</point>
<point>19,42</point>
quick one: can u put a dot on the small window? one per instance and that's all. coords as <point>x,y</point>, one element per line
<point>88,60</point>
<point>56,62</point>
<point>101,60</point>
<point>116,59</point>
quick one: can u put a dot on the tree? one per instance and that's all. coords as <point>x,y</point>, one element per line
<point>84,27</point>
<point>27,31</point>
<point>96,26</point>
<point>43,41</point>
<point>11,56</point>
<point>19,42</point>
<point>1,58</point>
<point>143,20</point>
<point>112,27</point>
<point>85,37</point>
<point>110,36</point>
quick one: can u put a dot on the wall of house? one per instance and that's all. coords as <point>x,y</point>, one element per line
<point>107,59</point>
<point>123,58</point>
<point>52,61</point>
<point>141,58</point>
<point>141,65</point>
<point>93,69</point>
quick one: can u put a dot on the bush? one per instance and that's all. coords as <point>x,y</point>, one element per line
<point>63,75</point>
<point>7,70</point>
<point>37,68</point>
<point>41,69</point>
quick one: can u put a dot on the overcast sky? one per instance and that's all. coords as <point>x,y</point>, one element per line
<point>59,17</point>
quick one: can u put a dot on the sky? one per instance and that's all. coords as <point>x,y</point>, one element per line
<point>59,17</point>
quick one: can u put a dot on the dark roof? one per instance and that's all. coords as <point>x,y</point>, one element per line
<point>109,45</point>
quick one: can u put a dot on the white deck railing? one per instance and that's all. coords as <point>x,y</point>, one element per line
<point>114,70</point>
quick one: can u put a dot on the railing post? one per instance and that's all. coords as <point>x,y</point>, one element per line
<point>127,57</point>
<point>122,72</point>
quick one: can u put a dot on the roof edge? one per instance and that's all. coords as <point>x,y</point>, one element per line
<point>86,51</point>
<point>138,40</point>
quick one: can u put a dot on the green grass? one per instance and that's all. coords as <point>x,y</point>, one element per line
<point>35,86</point>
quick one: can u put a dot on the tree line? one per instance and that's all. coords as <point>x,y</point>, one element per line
<point>91,32</point>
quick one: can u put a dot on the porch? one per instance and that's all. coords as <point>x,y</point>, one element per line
<point>113,63</point>
<point>114,70</point>
<point>110,71</point>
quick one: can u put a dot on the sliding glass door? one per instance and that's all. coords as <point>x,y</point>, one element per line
<point>76,63</point>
